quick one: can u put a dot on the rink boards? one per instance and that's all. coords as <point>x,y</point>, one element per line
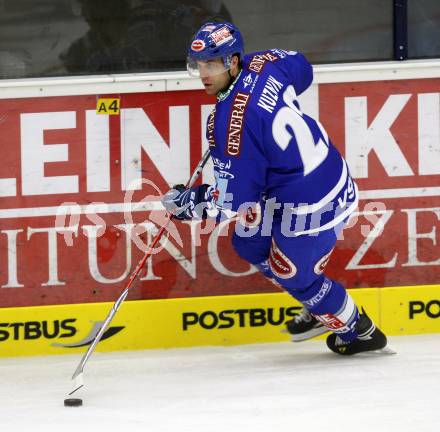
<point>86,158</point>
<point>185,322</point>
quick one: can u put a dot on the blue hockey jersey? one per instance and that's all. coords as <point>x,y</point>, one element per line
<point>265,149</point>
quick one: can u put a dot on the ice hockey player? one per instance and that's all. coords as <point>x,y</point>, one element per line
<point>278,172</point>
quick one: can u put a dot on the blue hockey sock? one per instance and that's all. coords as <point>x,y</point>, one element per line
<point>329,302</point>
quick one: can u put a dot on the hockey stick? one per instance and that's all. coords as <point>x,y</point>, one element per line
<point>77,377</point>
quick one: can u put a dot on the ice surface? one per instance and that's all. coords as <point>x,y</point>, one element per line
<point>265,387</point>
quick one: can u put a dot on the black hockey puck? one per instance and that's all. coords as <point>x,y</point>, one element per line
<point>73,402</point>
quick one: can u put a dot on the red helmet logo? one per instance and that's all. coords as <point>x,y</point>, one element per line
<point>198,45</point>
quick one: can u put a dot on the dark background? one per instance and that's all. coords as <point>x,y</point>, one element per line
<point>44,38</point>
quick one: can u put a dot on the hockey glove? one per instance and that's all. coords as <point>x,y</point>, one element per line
<point>187,204</point>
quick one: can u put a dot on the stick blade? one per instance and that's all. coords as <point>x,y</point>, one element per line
<point>78,382</point>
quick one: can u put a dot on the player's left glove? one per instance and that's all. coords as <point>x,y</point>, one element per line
<point>186,204</point>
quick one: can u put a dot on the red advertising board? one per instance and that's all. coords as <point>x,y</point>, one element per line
<point>79,194</point>
<point>389,132</point>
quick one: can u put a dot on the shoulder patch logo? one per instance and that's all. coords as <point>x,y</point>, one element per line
<point>258,61</point>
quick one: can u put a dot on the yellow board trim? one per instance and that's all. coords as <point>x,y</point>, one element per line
<point>186,322</point>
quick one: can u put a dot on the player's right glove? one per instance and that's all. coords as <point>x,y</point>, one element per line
<point>186,204</point>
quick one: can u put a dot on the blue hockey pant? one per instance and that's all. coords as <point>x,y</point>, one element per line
<point>298,264</point>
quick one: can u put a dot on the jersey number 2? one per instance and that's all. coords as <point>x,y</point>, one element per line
<point>312,154</point>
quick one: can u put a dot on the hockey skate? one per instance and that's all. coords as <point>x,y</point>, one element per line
<point>305,326</point>
<point>370,339</point>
